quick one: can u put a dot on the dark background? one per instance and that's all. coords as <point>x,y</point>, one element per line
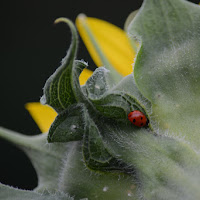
<point>31,49</point>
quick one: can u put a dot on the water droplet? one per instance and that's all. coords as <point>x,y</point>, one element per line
<point>73,128</point>
<point>97,86</point>
<point>129,193</point>
<point>105,189</point>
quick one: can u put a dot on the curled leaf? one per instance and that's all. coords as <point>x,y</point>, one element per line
<point>62,88</point>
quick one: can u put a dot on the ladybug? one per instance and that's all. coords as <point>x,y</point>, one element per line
<point>137,118</point>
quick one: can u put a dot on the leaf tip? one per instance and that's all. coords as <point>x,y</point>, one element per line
<point>81,16</point>
<point>61,19</point>
<point>43,100</point>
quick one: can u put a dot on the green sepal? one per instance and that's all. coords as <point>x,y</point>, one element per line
<point>116,102</point>
<point>128,87</point>
<point>96,156</point>
<point>98,83</point>
<point>79,65</point>
<point>117,105</point>
<point>68,125</point>
<point>62,88</point>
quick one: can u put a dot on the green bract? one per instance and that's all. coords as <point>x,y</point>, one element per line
<point>93,151</point>
<point>167,68</point>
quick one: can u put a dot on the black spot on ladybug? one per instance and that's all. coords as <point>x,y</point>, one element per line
<point>141,118</point>
<point>134,120</point>
<point>141,124</point>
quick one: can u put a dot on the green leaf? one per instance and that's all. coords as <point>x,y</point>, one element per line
<point>78,67</point>
<point>167,68</point>
<point>81,182</point>
<point>95,154</point>
<point>68,125</point>
<point>61,169</point>
<point>129,19</point>
<point>165,168</point>
<point>46,158</point>
<point>9,193</point>
<point>62,88</point>
<point>128,87</point>
<point>98,83</point>
<point>121,99</point>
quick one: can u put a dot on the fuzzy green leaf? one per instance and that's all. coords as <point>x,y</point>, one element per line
<point>62,88</point>
<point>78,67</point>
<point>95,154</point>
<point>46,158</point>
<point>9,193</point>
<point>81,182</point>
<point>166,168</point>
<point>167,68</point>
<point>98,83</point>
<point>68,125</point>
<point>61,169</point>
<point>119,100</point>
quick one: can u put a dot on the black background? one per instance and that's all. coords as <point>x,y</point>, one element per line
<point>31,49</point>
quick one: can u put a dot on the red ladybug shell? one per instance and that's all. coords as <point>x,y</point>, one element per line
<point>137,118</point>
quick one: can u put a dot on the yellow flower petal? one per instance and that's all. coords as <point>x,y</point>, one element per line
<point>112,40</point>
<point>86,73</point>
<point>43,115</point>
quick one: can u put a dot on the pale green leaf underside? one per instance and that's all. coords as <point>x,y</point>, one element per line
<point>167,68</point>
<point>9,193</point>
<point>166,168</point>
<point>98,83</point>
<point>61,167</point>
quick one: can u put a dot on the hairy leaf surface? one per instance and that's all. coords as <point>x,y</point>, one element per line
<point>167,68</point>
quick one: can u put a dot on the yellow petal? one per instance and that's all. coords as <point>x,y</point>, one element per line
<point>43,115</point>
<point>86,73</point>
<point>112,40</point>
